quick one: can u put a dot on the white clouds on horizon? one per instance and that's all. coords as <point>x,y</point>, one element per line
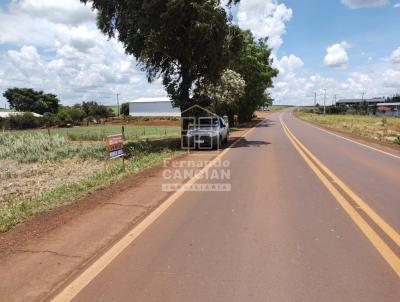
<point>354,4</point>
<point>395,57</point>
<point>64,53</point>
<point>58,48</point>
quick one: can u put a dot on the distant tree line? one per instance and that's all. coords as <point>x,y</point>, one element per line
<point>53,113</point>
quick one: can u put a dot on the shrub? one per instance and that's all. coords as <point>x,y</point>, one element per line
<point>125,109</point>
<point>24,121</point>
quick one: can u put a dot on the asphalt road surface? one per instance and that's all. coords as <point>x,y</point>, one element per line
<point>309,217</point>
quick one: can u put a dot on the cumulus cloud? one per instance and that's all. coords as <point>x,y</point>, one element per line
<point>66,12</point>
<point>395,57</point>
<point>288,64</point>
<point>391,78</point>
<point>265,18</point>
<point>336,55</point>
<point>56,47</point>
<point>364,3</point>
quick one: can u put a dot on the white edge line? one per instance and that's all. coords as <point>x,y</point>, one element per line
<point>88,275</point>
<point>348,139</point>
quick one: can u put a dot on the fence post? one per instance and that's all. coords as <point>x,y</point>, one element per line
<point>123,132</point>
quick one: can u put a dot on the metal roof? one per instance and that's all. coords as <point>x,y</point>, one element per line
<point>389,104</point>
<point>150,100</point>
<point>10,113</point>
<point>374,100</point>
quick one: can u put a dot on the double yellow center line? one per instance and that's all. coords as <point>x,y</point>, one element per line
<point>332,183</point>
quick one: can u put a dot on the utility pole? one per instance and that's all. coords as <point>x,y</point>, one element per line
<point>362,96</point>
<point>335,99</point>
<point>315,99</point>
<point>324,101</point>
<point>118,103</point>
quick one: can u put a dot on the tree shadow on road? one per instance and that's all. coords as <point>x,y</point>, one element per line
<point>244,143</point>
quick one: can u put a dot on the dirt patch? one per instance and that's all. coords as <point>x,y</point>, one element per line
<point>26,180</point>
<point>38,226</point>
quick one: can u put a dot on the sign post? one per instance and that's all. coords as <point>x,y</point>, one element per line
<point>115,146</point>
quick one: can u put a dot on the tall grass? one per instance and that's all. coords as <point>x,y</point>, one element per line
<point>100,132</point>
<point>31,147</point>
<point>385,129</point>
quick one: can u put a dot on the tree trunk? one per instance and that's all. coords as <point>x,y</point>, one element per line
<point>231,119</point>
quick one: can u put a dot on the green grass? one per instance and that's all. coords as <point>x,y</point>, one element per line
<point>29,147</point>
<point>18,210</point>
<point>275,108</point>
<point>386,129</point>
<point>99,133</point>
<point>114,108</point>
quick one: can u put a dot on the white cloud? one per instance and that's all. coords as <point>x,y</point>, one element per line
<point>395,57</point>
<point>336,55</point>
<point>288,64</point>
<point>71,12</point>
<point>364,3</point>
<point>397,5</point>
<point>265,18</point>
<point>65,55</point>
<point>391,78</point>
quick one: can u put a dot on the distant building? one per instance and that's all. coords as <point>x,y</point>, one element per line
<point>388,109</point>
<point>153,107</point>
<point>7,114</point>
<point>370,102</point>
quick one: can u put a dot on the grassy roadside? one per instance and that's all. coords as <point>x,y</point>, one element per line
<point>380,129</point>
<point>20,209</point>
<point>275,108</point>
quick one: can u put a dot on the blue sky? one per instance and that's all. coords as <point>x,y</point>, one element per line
<point>315,25</point>
<point>348,47</point>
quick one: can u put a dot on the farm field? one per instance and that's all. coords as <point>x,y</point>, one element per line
<point>39,171</point>
<point>383,129</point>
<point>99,132</point>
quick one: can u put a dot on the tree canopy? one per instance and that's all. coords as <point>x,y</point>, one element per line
<point>182,41</point>
<point>255,66</point>
<point>26,99</point>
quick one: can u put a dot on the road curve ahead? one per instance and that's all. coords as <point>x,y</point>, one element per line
<point>309,217</point>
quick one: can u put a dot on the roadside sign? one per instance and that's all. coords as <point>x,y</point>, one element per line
<point>115,145</point>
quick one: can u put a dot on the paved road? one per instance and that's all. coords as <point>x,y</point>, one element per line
<point>287,231</point>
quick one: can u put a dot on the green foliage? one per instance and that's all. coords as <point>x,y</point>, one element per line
<point>24,121</point>
<point>184,42</point>
<point>26,99</point>
<point>255,66</point>
<point>124,109</point>
<point>95,110</point>
<point>37,147</point>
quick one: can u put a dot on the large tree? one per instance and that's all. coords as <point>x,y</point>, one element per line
<point>255,66</point>
<point>26,99</point>
<point>184,42</point>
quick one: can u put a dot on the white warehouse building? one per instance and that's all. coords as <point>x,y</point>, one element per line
<point>153,107</point>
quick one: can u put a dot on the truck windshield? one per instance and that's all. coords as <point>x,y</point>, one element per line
<point>208,123</point>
